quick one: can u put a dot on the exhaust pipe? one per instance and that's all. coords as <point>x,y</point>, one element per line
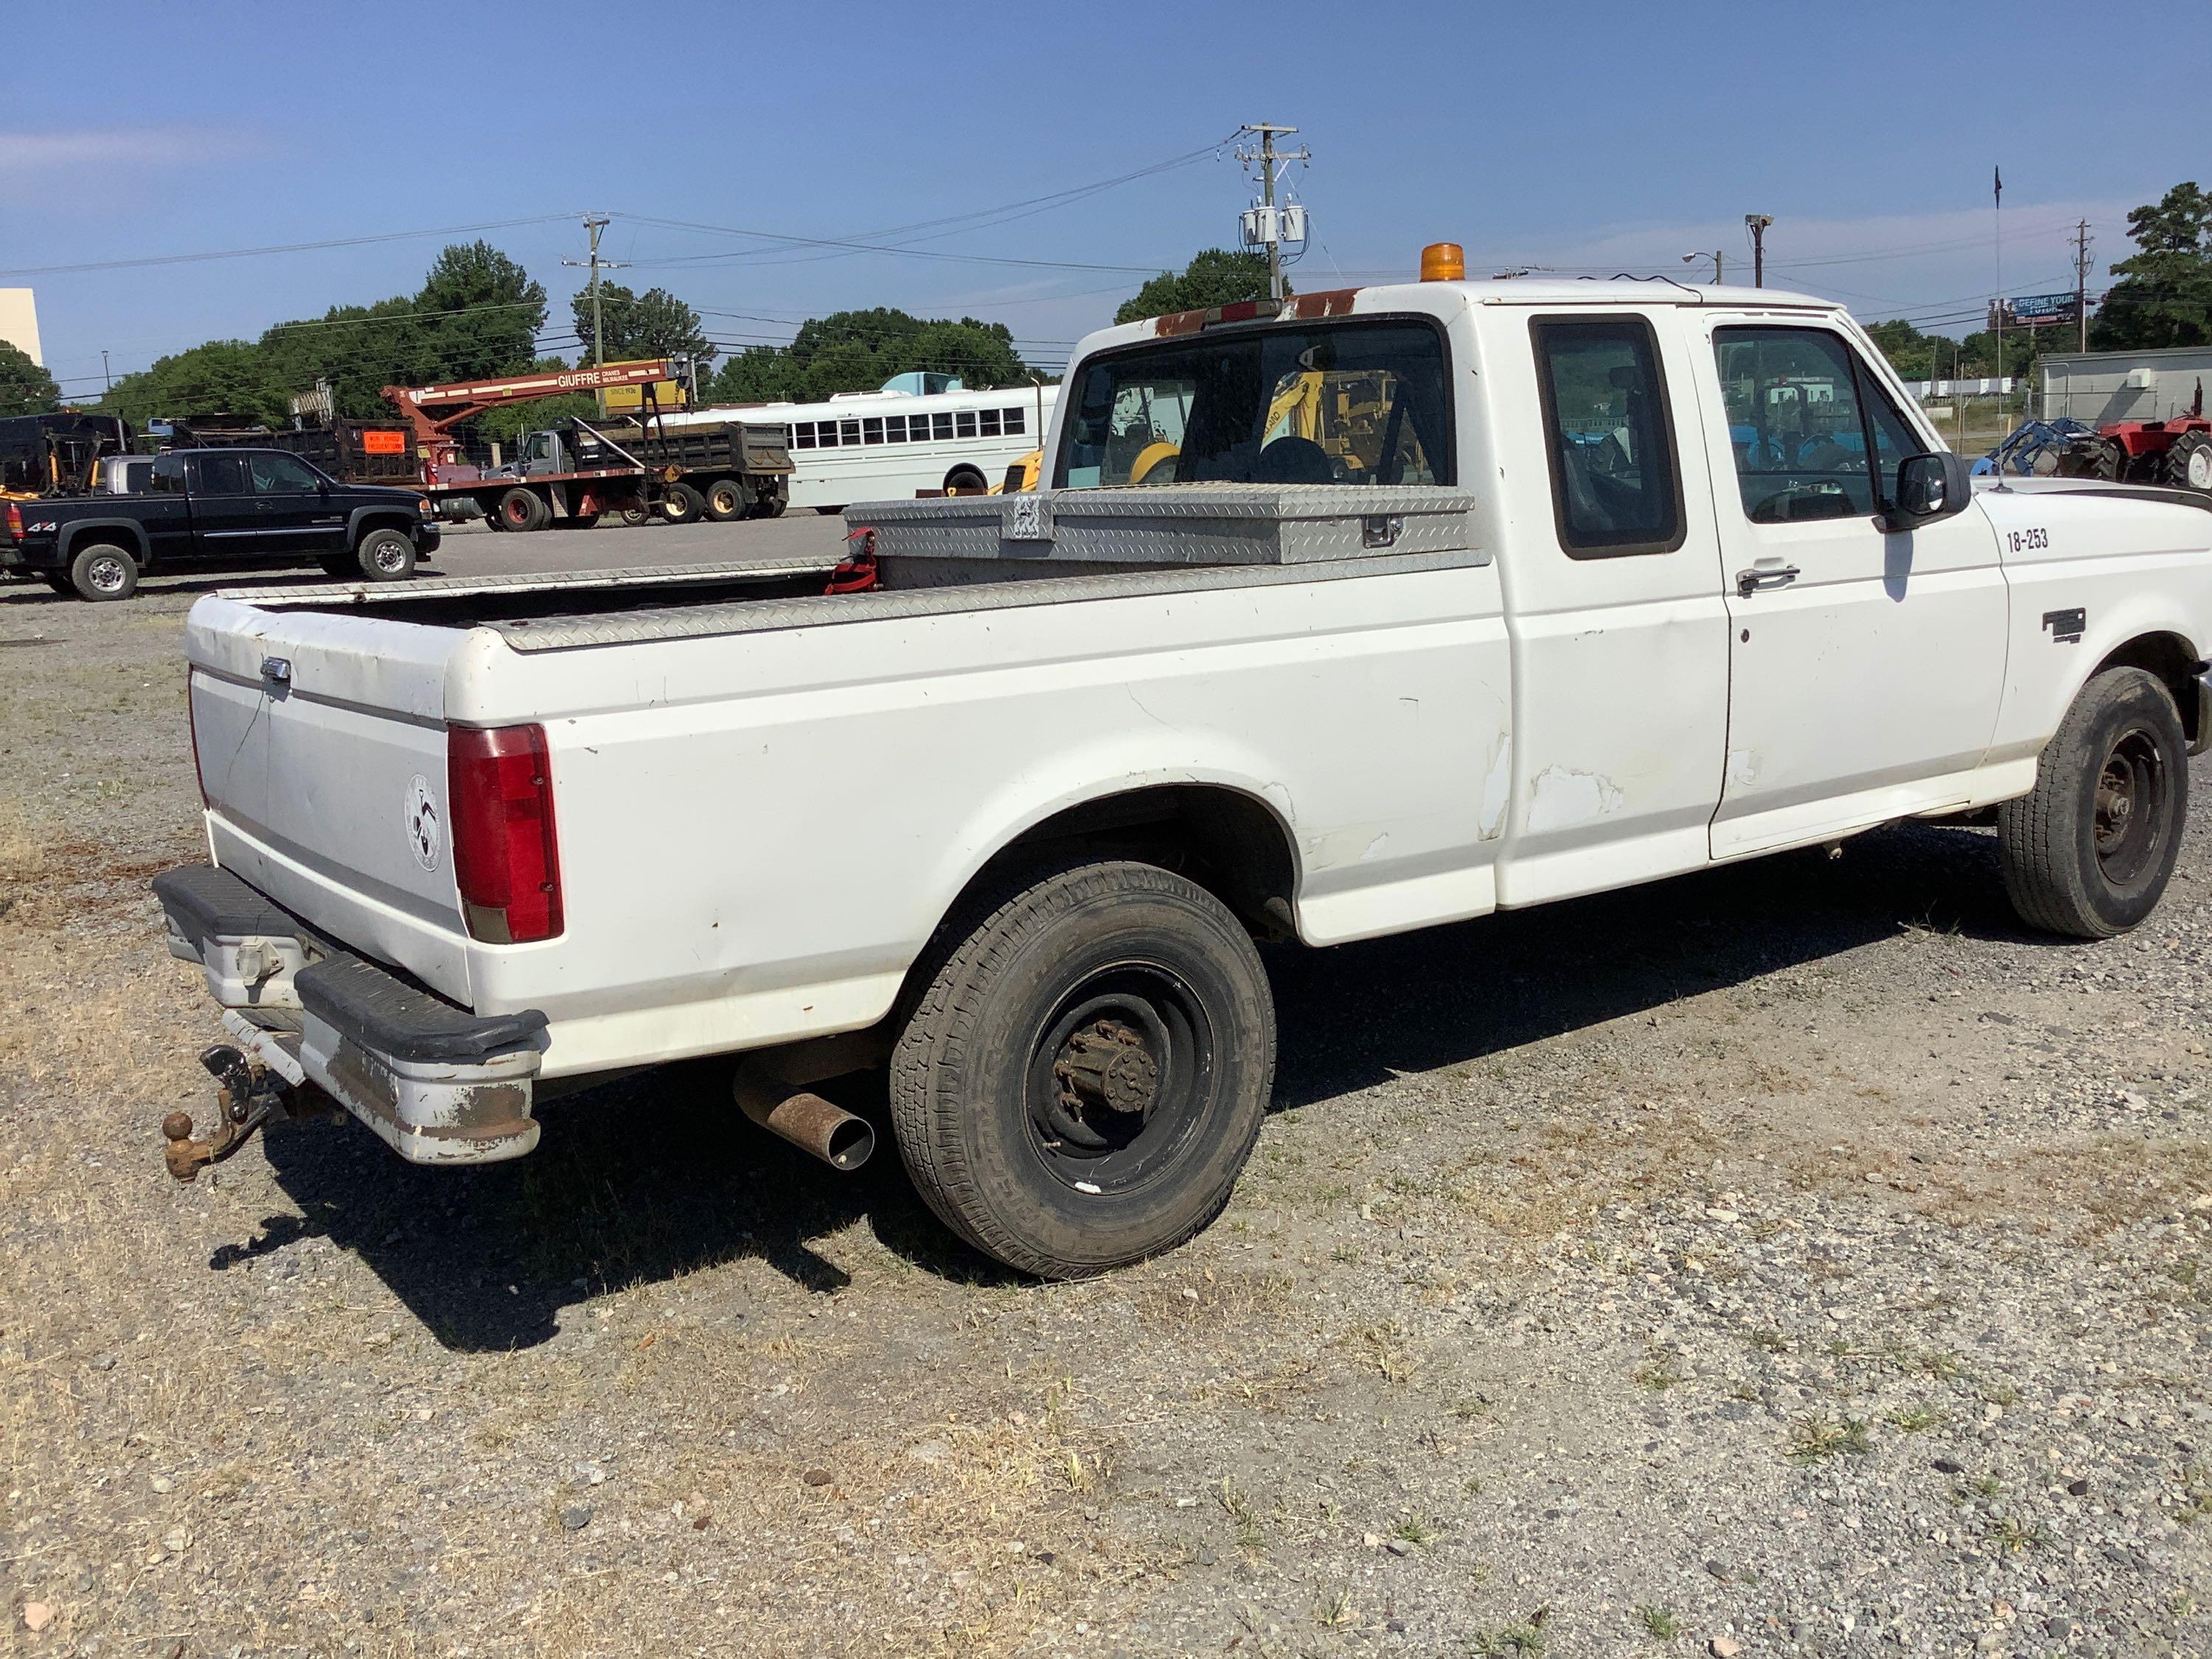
<point>769,1094</point>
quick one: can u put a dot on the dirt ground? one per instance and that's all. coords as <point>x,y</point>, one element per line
<point>1799,1258</point>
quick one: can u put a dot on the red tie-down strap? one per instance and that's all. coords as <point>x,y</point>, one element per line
<point>856,573</point>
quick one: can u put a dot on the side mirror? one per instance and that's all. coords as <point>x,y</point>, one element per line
<point>1928,487</point>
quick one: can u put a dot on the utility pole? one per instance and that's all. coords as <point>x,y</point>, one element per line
<point>1267,156</point>
<point>105,375</point>
<point>598,323</point>
<point>597,265</point>
<point>2082,281</point>
<point>1715,256</point>
<point>1757,224</point>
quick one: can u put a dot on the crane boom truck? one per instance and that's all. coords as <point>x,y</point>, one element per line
<point>570,475</point>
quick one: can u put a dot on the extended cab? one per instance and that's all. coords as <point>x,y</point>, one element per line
<point>222,509</point>
<point>1435,600</point>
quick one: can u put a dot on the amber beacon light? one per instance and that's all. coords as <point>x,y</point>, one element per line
<point>1443,262</point>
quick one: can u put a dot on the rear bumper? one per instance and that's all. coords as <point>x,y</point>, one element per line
<point>440,1083</point>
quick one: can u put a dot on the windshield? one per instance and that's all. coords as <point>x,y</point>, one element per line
<point>1341,403</point>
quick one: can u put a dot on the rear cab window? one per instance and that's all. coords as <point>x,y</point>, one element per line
<point>1362,402</point>
<point>1616,478</point>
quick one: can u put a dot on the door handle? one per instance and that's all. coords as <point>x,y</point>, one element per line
<point>1764,575</point>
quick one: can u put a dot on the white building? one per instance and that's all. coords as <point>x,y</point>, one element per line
<point>2100,387</point>
<point>19,322</point>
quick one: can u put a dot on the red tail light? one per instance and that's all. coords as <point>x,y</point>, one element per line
<point>14,522</point>
<point>506,859</point>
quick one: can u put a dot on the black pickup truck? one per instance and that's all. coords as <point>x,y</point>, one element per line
<point>212,508</point>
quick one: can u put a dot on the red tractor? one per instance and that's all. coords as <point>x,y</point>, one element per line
<point>2176,453</point>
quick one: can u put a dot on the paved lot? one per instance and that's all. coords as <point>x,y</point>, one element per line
<point>1799,1257</point>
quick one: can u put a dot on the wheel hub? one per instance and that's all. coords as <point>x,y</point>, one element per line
<point>1105,1067</point>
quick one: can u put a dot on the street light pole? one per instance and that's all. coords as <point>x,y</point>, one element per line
<point>1758,224</point>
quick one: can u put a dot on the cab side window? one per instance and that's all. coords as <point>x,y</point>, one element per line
<point>1813,434</point>
<point>1616,489</point>
<point>280,475</point>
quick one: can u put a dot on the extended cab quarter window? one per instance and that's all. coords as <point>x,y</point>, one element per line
<point>1615,490</point>
<point>1353,403</point>
<point>220,475</point>
<point>1804,418</point>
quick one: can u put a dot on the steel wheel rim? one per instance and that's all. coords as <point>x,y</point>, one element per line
<point>2127,828</point>
<point>2197,467</point>
<point>107,573</point>
<point>724,500</point>
<point>387,555</point>
<point>1146,1023</point>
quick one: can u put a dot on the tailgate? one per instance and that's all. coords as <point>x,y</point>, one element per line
<point>322,749</point>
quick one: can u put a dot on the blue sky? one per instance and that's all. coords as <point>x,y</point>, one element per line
<point>1598,135</point>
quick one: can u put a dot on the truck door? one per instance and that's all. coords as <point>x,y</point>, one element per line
<point>223,524</point>
<point>292,507</point>
<point>1866,667</point>
<point>1619,633</point>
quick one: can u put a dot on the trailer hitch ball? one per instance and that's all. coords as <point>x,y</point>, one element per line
<point>249,1096</point>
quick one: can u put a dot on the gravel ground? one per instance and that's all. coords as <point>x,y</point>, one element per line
<point>1798,1258</point>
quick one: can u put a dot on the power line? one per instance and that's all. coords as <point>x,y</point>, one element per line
<point>281,247</point>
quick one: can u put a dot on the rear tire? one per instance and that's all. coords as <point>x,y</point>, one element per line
<point>728,499</point>
<point>2189,463</point>
<point>635,517</point>
<point>1084,1072</point>
<point>341,565</point>
<point>522,509</point>
<point>385,556</point>
<point>684,505</point>
<point>2094,458</point>
<point>2089,852</point>
<point>967,480</point>
<point>103,572</point>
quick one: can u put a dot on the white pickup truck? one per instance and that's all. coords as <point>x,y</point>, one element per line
<point>1375,610</point>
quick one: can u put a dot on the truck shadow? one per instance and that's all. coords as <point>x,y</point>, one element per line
<point>657,1175</point>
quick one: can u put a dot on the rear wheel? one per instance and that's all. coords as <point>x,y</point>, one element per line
<point>2095,458</point>
<point>341,565</point>
<point>2188,462</point>
<point>683,505</point>
<point>522,509</point>
<point>1083,1075</point>
<point>385,556</point>
<point>726,499</point>
<point>771,506</point>
<point>636,517</point>
<point>966,480</point>
<point>103,572</point>
<point>2089,852</point>
<point>60,584</point>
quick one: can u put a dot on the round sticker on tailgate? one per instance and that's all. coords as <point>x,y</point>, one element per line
<point>423,834</point>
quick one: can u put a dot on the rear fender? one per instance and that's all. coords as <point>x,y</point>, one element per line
<point>127,534</point>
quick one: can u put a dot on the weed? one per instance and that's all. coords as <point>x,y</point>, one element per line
<point>1816,1438</point>
<point>1521,1641</point>
<point>2001,1394</point>
<point>1418,1530</point>
<point>1659,1621</point>
<point>1657,1377</point>
<point>1771,1342</point>
<point>2013,1534</point>
<point>1238,1508</point>
<point>1917,1420</point>
<point>1335,1609</point>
